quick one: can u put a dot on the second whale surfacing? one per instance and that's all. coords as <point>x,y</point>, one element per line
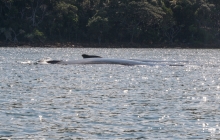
<point>93,59</point>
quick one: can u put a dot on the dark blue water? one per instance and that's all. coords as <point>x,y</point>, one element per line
<point>109,101</point>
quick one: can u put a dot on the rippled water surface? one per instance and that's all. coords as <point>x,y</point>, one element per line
<point>109,101</point>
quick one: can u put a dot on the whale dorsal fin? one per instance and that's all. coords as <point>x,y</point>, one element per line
<point>90,56</point>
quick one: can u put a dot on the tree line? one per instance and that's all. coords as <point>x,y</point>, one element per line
<point>110,21</point>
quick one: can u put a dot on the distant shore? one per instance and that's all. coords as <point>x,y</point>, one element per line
<point>110,45</point>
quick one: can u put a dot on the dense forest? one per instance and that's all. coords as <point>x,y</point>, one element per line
<point>110,21</point>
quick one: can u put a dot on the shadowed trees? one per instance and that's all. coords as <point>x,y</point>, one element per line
<point>111,21</point>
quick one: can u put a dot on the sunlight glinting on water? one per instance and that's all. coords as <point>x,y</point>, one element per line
<point>109,101</point>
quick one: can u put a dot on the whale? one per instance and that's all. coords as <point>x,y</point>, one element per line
<point>143,60</point>
<point>95,59</point>
<point>99,61</point>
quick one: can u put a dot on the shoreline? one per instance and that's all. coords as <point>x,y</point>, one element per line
<point>110,45</point>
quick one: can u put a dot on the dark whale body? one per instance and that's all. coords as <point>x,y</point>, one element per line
<point>53,61</point>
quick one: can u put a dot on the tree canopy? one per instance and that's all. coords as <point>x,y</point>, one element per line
<point>110,21</point>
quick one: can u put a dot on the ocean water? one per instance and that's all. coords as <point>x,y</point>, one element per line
<point>104,101</point>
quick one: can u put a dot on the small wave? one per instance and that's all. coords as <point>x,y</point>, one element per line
<point>40,61</point>
<point>43,60</point>
<point>26,62</point>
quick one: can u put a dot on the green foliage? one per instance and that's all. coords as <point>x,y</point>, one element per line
<point>7,33</point>
<point>39,34</point>
<point>35,36</point>
<point>98,27</point>
<point>110,21</point>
